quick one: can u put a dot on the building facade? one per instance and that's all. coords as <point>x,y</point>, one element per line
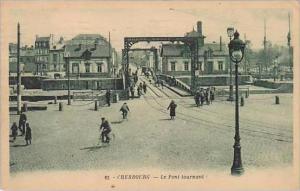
<point>57,64</point>
<point>27,59</point>
<point>42,49</point>
<point>212,57</point>
<point>90,55</point>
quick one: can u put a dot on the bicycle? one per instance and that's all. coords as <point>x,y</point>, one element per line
<point>111,137</point>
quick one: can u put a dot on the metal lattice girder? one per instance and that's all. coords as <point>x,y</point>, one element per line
<point>191,42</point>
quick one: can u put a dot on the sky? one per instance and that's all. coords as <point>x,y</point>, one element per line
<point>143,19</point>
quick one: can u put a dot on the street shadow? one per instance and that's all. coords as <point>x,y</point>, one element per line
<point>117,122</point>
<point>20,145</point>
<point>94,148</point>
<point>168,119</point>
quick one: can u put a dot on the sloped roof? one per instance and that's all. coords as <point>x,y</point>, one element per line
<point>76,51</point>
<point>39,39</point>
<point>215,47</point>
<point>177,50</point>
<point>87,39</point>
<point>173,50</point>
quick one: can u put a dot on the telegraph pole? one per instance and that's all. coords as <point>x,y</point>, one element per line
<point>289,45</point>
<point>18,73</point>
<point>265,47</point>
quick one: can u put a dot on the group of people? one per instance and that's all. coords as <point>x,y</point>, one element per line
<point>24,128</point>
<point>205,95</point>
<point>141,89</point>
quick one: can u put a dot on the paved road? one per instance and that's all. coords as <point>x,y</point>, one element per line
<point>199,138</point>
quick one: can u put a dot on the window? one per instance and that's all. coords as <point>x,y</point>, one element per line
<point>173,67</point>
<point>55,67</point>
<point>54,57</point>
<point>99,67</point>
<point>186,66</point>
<point>87,68</point>
<point>220,65</point>
<point>44,67</point>
<point>75,68</point>
<point>199,67</point>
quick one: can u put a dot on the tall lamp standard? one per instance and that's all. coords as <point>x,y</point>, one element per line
<point>236,53</point>
<point>67,56</point>
<point>230,31</point>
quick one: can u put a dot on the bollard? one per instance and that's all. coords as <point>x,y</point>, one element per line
<point>25,108</point>
<point>276,99</point>
<point>96,105</point>
<point>247,94</point>
<point>60,106</point>
<point>55,99</point>
<point>242,101</point>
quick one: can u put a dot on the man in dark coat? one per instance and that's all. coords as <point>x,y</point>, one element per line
<point>145,87</point>
<point>132,91</point>
<point>28,134</point>
<point>22,122</point>
<point>105,130</point>
<point>172,108</point>
<point>202,96</point>
<point>124,109</point>
<point>197,98</point>
<point>107,96</point>
<point>14,131</point>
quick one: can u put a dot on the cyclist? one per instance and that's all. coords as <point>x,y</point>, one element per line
<point>125,110</point>
<point>105,129</point>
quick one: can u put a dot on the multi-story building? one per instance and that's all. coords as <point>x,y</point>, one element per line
<point>56,58</point>
<point>27,59</point>
<point>90,55</point>
<point>42,48</point>
<point>212,57</point>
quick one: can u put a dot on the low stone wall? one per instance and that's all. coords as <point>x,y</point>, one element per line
<point>82,84</point>
<point>215,80</point>
<point>283,87</point>
<point>29,82</point>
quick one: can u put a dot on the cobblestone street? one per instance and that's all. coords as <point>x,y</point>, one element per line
<point>198,138</point>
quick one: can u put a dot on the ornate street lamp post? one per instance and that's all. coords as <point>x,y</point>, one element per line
<point>236,53</point>
<point>230,31</point>
<point>67,56</point>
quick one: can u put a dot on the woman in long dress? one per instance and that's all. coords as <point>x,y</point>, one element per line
<point>172,108</point>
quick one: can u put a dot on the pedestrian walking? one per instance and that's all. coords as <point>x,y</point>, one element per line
<point>22,122</point>
<point>132,91</point>
<point>145,87</point>
<point>202,96</point>
<point>172,108</point>
<point>139,91</point>
<point>207,96</point>
<point>141,86</point>
<point>107,96</point>
<point>105,129</point>
<point>124,109</point>
<point>28,134</point>
<point>212,94</point>
<point>14,130</point>
<point>197,98</point>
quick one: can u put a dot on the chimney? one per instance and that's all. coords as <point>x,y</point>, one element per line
<point>220,43</point>
<point>36,36</point>
<point>199,27</point>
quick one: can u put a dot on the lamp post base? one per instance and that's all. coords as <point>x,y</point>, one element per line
<point>237,167</point>
<point>230,98</point>
<point>237,171</point>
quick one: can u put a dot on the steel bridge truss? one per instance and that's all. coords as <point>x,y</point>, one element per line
<point>191,42</point>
